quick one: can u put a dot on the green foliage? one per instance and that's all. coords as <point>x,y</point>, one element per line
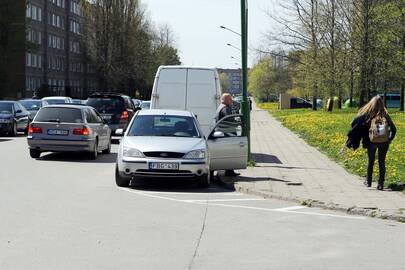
<point>261,82</point>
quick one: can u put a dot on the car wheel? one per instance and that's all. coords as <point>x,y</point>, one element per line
<point>204,180</point>
<point>94,153</point>
<point>35,153</point>
<point>108,150</point>
<point>119,180</point>
<point>13,130</point>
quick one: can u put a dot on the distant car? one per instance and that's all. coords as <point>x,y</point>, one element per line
<point>78,101</point>
<point>137,102</point>
<point>33,105</point>
<point>170,144</point>
<point>393,100</point>
<point>297,103</point>
<point>116,109</point>
<point>68,128</point>
<point>58,100</point>
<point>13,118</point>
<point>145,105</point>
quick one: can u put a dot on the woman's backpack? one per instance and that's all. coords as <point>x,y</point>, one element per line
<point>379,130</point>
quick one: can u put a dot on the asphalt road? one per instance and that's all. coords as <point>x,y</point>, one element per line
<point>65,212</point>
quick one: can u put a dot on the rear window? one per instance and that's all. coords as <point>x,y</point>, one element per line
<point>6,107</point>
<point>55,101</point>
<point>109,105</point>
<point>57,114</point>
<point>32,105</point>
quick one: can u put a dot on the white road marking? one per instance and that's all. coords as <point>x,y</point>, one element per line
<point>224,200</point>
<point>192,193</point>
<point>297,207</point>
<point>279,210</point>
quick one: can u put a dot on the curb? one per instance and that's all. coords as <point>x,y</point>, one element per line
<point>353,210</point>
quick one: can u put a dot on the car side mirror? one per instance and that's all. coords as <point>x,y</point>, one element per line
<point>18,111</point>
<point>218,134</point>
<point>119,132</point>
<point>138,108</point>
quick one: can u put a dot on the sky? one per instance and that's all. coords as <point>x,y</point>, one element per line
<point>198,36</point>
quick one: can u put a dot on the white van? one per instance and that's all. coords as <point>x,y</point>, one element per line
<point>188,88</point>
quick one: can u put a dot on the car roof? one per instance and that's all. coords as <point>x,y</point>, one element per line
<point>7,101</point>
<point>55,97</point>
<point>166,112</point>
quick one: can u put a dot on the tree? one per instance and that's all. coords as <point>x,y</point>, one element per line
<point>225,82</point>
<point>261,80</point>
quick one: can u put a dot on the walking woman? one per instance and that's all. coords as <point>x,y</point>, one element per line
<point>377,132</point>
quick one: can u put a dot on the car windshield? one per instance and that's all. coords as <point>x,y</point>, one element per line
<point>164,125</point>
<point>32,105</point>
<point>145,105</point>
<point>59,115</point>
<point>6,107</point>
<point>55,101</point>
<point>107,105</point>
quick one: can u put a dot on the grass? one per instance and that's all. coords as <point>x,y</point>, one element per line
<point>328,133</point>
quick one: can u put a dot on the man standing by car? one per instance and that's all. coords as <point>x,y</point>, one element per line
<point>223,110</point>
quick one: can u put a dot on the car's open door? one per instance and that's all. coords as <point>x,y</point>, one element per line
<point>227,145</point>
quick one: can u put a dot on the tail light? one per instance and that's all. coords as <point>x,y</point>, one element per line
<point>84,131</point>
<point>32,129</point>
<point>124,115</point>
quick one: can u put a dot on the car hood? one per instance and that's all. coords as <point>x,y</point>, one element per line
<point>164,144</point>
<point>6,116</point>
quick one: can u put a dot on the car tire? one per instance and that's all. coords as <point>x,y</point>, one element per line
<point>108,150</point>
<point>119,180</point>
<point>35,153</point>
<point>93,155</point>
<point>204,181</point>
<point>13,130</point>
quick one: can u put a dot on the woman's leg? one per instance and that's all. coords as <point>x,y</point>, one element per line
<point>371,159</point>
<point>382,153</point>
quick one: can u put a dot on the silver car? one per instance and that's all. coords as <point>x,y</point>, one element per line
<point>68,128</point>
<point>170,144</point>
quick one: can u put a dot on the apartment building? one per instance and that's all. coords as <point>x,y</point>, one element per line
<point>235,80</point>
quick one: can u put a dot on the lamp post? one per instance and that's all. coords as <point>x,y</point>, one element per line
<point>236,48</point>
<point>230,30</point>
<point>244,41</point>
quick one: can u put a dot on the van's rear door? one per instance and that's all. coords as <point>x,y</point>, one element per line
<point>170,91</point>
<point>201,96</point>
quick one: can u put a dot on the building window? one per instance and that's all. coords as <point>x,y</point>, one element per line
<point>56,20</point>
<point>75,8</point>
<point>59,3</point>
<point>74,27</point>
<point>33,12</point>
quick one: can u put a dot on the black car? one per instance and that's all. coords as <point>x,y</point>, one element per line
<point>33,105</point>
<point>297,103</point>
<point>116,109</point>
<point>13,118</point>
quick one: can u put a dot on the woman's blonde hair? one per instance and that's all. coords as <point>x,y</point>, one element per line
<point>374,108</point>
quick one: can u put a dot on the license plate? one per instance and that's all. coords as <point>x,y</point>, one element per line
<point>106,117</point>
<point>61,132</point>
<point>163,166</point>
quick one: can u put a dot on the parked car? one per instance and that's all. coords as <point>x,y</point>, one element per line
<point>297,103</point>
<point>188,88</point>
<point>68,128</point>
<point>393,100</point>
<point>33,105</point>
<point>170,144</point>
<point>58,100</point>
<point>13,118</point>
<point>137,102</point>
<point>78,101</point>
<point>116,109</point>
<point>145,105</point>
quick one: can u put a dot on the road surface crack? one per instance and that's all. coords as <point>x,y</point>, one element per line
<point>200,237</point>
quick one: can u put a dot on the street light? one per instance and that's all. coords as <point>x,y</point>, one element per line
<point>237,59</point>
<point>230,30</point>
<point>230,45</point>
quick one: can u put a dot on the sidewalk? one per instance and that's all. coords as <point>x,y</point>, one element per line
<point>288,168</point>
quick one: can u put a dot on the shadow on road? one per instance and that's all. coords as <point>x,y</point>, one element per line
<point>265,158</point>
<point>79,157</point>
<point>175,186</point>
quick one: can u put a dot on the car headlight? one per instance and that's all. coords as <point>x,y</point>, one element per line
<point>132,152</point>
<point>196,154</point>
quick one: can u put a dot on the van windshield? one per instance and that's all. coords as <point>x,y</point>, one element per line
<point>107,105</point>
<point>164,125</point>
